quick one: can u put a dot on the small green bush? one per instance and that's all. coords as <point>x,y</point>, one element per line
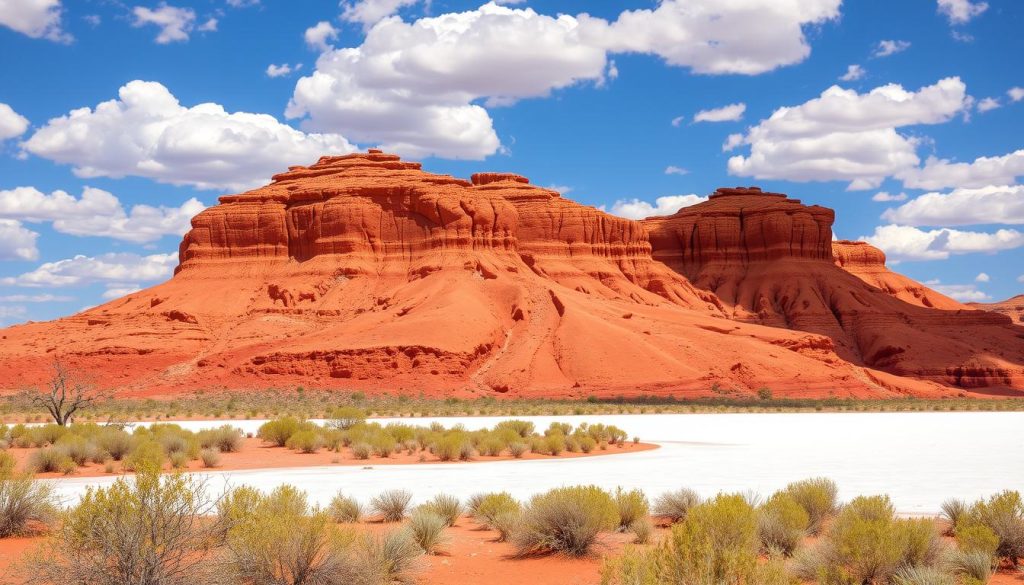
<point>677,504</point>
<point>391,505</point>
<point>146,456</point>
<point>565,520</point>
<point>782,524</point>
<point>818,497</point>
<point>210,457</point>
<point>427,529</point>
<point>494,504</point>
<point>517,449</point>
<point>631,505</point>
<point>361,450</point>
<point>345,509</point>
<point>554,444</point>
<point>278,431</point>
<point>51,460</point>
<point>346,417</point>
<point>447,507</point>
<point>25,504</point>
<point>954,510</point>
<point>642,529</point>
<point>974,568</point>
<point>306,441</point>
<point>1003,514</point>
<point>396,556</point>
<point>922,576</point>
<point>179,460</point>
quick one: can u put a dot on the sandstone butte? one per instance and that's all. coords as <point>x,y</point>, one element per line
<point>365,272</point>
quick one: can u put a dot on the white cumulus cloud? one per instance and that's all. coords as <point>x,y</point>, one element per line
<point>282,69</point>
<point>884,196</point>
<point>422,88</point>
<point>982,277</point>
<point>319,35</point>
<point>174,23</point>
<point>39,19</point>
<point>97,213</point>
<point>982,206</point>
<point>368,12</point>
<point>105,268</point>
<point>729,113</point>
<point>961,11</point>
<point>674,170</point>
<point>12,124</point>
<point>147,133</point>
<point>639,209</point>
<point>965,293</point>
<point>988,104</point>
<point>890,47</point>
<point>982,172</point>
<point>1016,93</point>
<point>848,136</point>
<point>901,242</point>
<point>16,241</point>
<point>853,73</point>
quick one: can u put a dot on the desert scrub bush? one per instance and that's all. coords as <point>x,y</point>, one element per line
<point>225,438</point>
<point>383,444</point>
<point>517,449</point>
<point>147,530</point>
<point>631,506</point>
<point>587,443</point>
<point>344,509</point>
<point>522,428</point>
<point>973,568</point>
<point>115,441</point>
<point>642,529</point>
<point>953,510</point>
<point>1003,514</point>
<point>716,543</point>
<point>554,444</point>
<point>493,504</point>
<point>781,524</point>
<point>565,520</point>
<point>147,455</point>
<point>346,417</point>
<point>296,546</point>
<point>396,556</point>
<point>868,544</point>
<point>279,430</point>
<point>447,507</point>
<point>51,460</point>
<point>391,505</point>
<point>676,505</point>
<point>427,529</point>
<point>179,460</point>
<point>451,447</point>
<point>473,503</point>
<point>361,450</point>
<point>491,446</point>
<point>922,576</point>
<point>26,505</point>
<point>975,537</point>
<point>818,497</point>
<point>305,441</point>
<point>210,457</point>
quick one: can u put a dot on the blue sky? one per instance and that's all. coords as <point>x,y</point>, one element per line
<point>119,120</point>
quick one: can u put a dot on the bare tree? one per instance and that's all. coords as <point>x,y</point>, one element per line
<point>66,393</point>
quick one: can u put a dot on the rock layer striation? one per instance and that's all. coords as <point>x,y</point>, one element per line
<point>365,272</point>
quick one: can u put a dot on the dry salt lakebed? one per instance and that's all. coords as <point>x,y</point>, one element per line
<point>918,459</point>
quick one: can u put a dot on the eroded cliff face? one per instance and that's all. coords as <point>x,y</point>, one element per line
<point>867,263</point>
<point>1012,308</point>
<point>365,272</point>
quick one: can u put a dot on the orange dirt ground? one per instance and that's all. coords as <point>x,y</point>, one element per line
<point>472,557</point>
<point>255,454</point>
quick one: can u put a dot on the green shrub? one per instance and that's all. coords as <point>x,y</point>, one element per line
<point>922,576</point>
<point>179,460</point>
<point>953,510</point>
<point>554,444</point>
<point>306,441</point>
<point>26,505</point>
<point>450,447</point>
<point>116,442</point>
<point>491,505</point>
<point>361,450</point>
<point>782,524</point>
<point>150,529</point>
<point>391,505</point>
<point>1003,514</point>
<point>974,568</point>
<point>715,544</point>
<point>346,417</point>
<point>565,520</point>
<point>818,497</point>
<point>427,529</point>
<point>345,509</point>
<point>587,444</point>
<point>396,556</point>
<point>210,457</point>
<point>517,449</point>
<point>383,445</point>
<point>226,439</point>
<point>976,537</point>
<point>447,507</point>
<point>51,460</point>
<point>491,446</point>
<point>278,431</point>
<point>631,505</point>
<point>676,505</point>
<point>146,456</point>
<point>642,529</point>
<point>506,523</point>
<point>520,427</point>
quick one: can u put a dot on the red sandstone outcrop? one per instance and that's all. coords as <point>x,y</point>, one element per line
<point>365,272</point>
<point>867,263</point>
<point>1012,308</point>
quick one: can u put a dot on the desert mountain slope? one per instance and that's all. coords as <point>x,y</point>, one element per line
<point>365,272</point>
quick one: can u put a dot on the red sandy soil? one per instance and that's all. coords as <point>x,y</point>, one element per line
<point>473,556</point>
<point>255,454</point>
<point>363,272</point>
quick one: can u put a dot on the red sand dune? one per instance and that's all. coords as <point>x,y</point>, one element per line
<point>364,272</point>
